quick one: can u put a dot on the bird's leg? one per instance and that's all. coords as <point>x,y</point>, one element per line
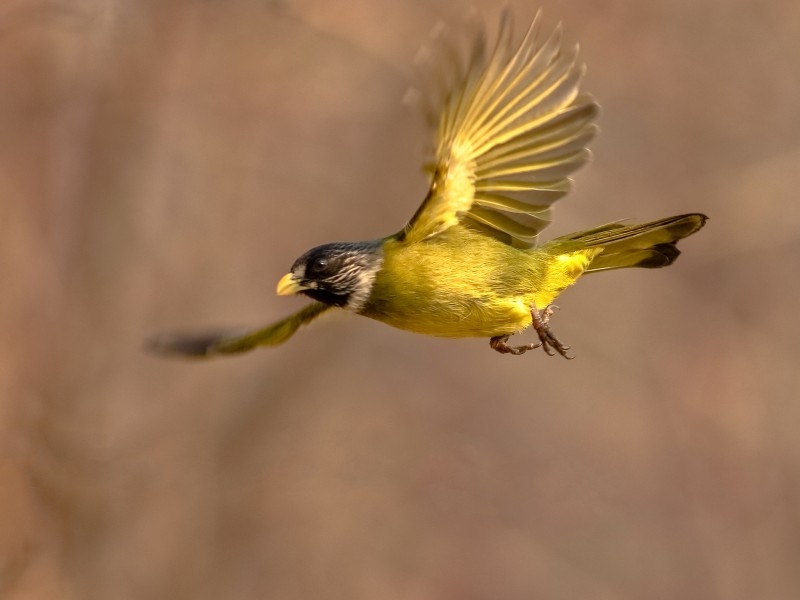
<point>500,343</point>
<point>549,341</point>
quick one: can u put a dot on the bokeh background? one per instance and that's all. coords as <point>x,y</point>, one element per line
<point>162,163</point>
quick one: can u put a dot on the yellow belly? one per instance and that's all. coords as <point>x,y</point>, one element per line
<point>465,284</point>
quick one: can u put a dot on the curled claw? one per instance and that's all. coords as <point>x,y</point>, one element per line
<point>548,312</point>
<point>549,341</point>
<point>500,344</point>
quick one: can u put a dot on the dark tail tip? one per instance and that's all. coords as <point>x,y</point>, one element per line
<point>661,255</point>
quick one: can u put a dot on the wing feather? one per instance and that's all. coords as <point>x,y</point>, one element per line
<point>233,341</point>
<point>512,127</point>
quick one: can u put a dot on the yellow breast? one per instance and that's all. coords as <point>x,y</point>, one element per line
<point>465,284</point>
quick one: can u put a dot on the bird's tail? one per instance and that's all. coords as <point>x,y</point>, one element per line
<point>649,245</point>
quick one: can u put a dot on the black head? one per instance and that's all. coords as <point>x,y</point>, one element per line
<point>340,274</point>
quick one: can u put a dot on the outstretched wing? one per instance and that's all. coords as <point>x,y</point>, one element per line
<point>234,341</point>
<point>510,128</point>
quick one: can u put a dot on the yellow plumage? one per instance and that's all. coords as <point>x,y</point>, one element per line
<point>510,126</point>
<point>436,288</point>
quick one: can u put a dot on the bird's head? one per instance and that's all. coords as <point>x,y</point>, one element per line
<point>340,274</point>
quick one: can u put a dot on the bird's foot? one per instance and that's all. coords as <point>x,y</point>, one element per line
<point>500,343</point>
<point>549,341</point>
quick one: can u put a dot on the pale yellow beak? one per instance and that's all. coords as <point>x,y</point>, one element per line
<point>288,285</point>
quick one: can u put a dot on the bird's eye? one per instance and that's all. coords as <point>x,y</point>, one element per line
<point>319,264</point>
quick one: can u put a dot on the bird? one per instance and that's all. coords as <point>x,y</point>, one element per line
<point>509,126</point>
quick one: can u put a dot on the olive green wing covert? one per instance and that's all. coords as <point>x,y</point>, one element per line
<point>510,127</point>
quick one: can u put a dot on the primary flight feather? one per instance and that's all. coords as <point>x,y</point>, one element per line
<point>510,126</point>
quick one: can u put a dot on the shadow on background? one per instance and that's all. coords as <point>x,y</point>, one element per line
<point>163,163</point>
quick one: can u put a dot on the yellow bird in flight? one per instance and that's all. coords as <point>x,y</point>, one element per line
<point>510,126</point>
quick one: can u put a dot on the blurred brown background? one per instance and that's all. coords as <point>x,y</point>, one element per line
<point>162,163</point>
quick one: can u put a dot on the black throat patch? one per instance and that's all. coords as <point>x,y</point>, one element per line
<point>328,297</point>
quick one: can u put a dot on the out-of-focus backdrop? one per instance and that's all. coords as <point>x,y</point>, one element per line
<point>162,163</point>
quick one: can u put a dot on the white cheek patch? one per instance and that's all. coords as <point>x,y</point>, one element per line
<point>365,278</point>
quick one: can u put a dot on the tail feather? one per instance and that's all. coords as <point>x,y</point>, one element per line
<point>660,255</point>
<point>648,245</point>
